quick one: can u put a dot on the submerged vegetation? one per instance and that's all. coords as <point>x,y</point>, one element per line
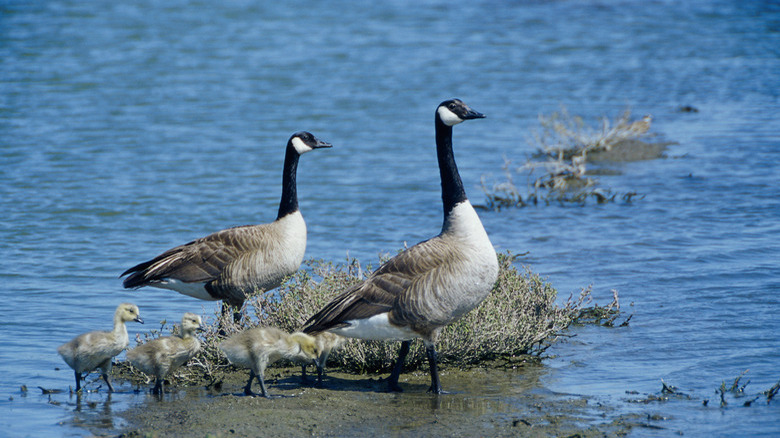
<point>736,389</point>
<point>729,393</point>
<point>562,169</point>
<point>518,321</point>
<point>605,316</point>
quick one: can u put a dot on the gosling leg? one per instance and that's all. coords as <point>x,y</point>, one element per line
<point>108,382</point>
<point>320,372</point>
<point>263,391</point>
<point>304,378</point>
<point>248,387</point>
<point>393,380</point>
<point>158,387</point>
<point>78,380</point>
<point>105,371</point>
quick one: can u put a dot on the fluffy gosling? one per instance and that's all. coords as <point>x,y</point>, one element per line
<point>258,347</point>
<point>93,350</point>
<point>161,356</point>
<point>327,343</point>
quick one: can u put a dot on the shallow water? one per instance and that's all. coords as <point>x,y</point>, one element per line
<point>130,128</point>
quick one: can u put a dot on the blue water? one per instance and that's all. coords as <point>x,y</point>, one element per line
<point>130,127</point>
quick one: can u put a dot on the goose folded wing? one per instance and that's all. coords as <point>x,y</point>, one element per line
<point>358,302</point>
<point>201,260</point>
<point>423,268</point>
<point>380,292</point>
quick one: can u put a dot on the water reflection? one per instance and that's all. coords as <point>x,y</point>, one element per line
<point>97,411</point>
<point>498,390</point>
<point>92,411</point>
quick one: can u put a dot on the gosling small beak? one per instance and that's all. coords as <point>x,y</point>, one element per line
<point>138,319</point>
<point>201,328</point>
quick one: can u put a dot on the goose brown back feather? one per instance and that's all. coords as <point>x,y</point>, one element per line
<point>233,262</point>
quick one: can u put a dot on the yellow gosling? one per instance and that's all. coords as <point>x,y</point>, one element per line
<point>327,343</point>
<point>93,350</point>
<point>161,356</point>
<point>258,347</point>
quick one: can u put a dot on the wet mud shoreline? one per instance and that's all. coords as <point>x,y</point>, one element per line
<point>481,402</point>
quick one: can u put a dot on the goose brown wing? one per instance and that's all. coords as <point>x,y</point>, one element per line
<point>425,267</point>
<point>362,300</point>
<point>201,260</point>
<point>384,290</point>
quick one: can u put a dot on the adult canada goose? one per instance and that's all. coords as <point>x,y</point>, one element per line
<point>231,264</point>
<point>327,343</point>
<point>424,288</point>
<point>258,347</point>
<point>159,357</point>
<point>92,350</point>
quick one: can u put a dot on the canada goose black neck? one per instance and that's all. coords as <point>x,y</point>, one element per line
<point>289,201</point>
<point>452,192</point>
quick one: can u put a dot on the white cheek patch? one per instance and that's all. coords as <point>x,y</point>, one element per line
<point>300,146</point>
<point>448,117</point>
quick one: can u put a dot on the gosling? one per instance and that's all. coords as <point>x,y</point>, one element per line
<point>327,343</point>
<point>161,356</point>
<point>258,347</point>
<point>93,350</point>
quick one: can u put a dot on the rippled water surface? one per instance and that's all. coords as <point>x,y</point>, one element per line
<point>129,127</point>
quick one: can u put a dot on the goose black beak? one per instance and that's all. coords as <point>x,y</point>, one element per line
<point>138,319</point>
<point>471,114</point>
<point>322,144</point>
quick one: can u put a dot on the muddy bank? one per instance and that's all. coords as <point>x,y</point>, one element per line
<point>482,402</point>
